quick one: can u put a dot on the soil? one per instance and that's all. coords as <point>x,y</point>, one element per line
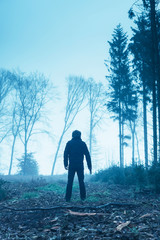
<point>37,210</point>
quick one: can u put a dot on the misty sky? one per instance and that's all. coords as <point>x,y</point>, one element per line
<point>60,37</point>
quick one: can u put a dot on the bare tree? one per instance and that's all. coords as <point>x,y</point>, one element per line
<point>6,78</point>
<point>15,128</point>
<point>32,91</point>
<point>76,94</point>
<point>96,107</point>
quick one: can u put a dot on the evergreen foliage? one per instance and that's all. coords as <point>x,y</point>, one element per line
<point>136,175</point>
<point>142,55</point>
<point>131,176</point>
<point>141,64</point>
<point>28,166</point>
<point>154,177</point>
<point>123,99</point>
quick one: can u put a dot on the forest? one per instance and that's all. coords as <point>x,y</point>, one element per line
<point>121,201</point>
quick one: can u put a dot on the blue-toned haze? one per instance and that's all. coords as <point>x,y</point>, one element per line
<point>59,38</point>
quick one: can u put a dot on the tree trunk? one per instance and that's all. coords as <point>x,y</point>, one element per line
<point>157,65</point>
<point>158,84</point>
<point>91,136</point>
<point>11,161</point>
<point>154,126</point>
<point>25,147</point>
<point>133,143</point>
<point>120,137</point>
<point>25,157</point>
<point>57,151</point>
<point>145,125</point>
<point>139,159</point>
<point>154,93</point>
<point>122,144</point>
<point>133,160</point>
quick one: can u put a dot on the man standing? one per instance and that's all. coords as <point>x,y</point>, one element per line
<point>73,162</point>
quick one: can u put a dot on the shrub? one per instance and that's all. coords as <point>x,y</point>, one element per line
<point>154,177</point>
<point>112,175</point>
<point>136,175</point>
<point>3,193</point>
<point>125,176</point>
<point>140,175</point>
<point>28,167</point>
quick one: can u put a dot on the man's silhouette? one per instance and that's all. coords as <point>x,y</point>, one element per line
<point>73,162</point>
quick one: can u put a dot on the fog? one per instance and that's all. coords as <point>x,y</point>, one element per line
<point>60,39</point>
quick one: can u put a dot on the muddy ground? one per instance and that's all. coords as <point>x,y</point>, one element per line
<point>36,210</point>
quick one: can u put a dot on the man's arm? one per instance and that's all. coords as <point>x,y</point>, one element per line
<point>88,158</point>
<point>66,153</point>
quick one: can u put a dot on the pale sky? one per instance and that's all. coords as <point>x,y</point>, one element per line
<point>61,38</point>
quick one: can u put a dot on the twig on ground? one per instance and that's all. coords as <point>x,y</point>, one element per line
<point>114,204</point>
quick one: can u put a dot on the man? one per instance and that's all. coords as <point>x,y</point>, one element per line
<point>73,162</point>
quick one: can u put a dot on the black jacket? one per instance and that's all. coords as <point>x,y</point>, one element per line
<point>74,153</point>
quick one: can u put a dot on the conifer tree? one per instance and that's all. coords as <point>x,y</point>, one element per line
<point>141,51</point>
<point>121,93</point>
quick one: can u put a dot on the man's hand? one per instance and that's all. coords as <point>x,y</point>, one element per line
<point>66,168</point>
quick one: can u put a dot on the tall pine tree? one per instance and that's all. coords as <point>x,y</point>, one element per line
<point>121,94</point>
<point>141,51</point>
<point>152,10</point>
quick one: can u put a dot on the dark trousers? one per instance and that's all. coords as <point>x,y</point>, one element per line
<point>71,174</point>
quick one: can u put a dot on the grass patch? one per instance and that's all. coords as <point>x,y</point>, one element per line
<point>106,193</point>
<point>75,187</point>
<point>53,188</point>
<point>29,195</point>
<point>93,198</point>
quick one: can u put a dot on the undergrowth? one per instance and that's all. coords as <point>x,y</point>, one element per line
<point>3,192</point>
<point>29,195</point>
<point>131,176</point>
<point>57,188</point>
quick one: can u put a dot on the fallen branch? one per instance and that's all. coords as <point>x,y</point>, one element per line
<point>81,214</point>
<point>114,204</point>
<point>122,225</point>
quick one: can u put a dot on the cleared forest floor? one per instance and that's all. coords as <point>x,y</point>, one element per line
<point>37,210</point>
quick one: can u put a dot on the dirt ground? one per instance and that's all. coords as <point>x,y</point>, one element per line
<point>36,210</point>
